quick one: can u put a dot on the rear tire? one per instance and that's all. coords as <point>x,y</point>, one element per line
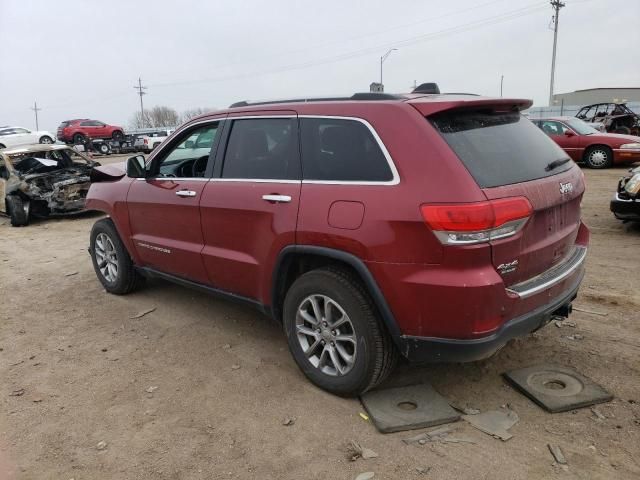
<point>78,139</point>
<point>104,149</point>
<point>18,210</point>
<point>598,157</point>
<point>111,261</point>
<point>46,139</point>
<point>348,324</point>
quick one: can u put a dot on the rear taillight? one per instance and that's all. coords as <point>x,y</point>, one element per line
<point>468,223</point>
<point>146,142</point>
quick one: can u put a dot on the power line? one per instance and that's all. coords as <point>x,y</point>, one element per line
<point>505,16</point>
<point>141,91</point>
<point>36,110</point>
<point>355,38</point>
<point>557,5</point>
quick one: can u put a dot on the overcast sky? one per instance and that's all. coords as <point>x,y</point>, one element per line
<point>82,58</point>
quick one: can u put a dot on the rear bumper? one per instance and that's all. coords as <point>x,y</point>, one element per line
<point>624,209</point>
<point>430,350</point>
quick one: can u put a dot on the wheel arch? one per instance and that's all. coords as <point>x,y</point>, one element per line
<point>294,260</point>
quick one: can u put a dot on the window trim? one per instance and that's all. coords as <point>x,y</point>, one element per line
<point>395,180</point>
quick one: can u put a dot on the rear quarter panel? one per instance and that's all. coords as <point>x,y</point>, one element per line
<point>392,229</point>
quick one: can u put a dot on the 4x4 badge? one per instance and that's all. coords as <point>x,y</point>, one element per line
<point>508,267</point>
<point>566,187</point>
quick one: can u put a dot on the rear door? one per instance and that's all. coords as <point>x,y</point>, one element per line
<point>510,157</point>
<point>164,210</point>
<point>250,207</point>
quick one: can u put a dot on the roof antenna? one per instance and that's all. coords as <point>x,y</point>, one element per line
<point>429,88</point>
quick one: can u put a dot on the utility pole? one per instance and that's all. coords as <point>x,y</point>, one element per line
<point>36,110</point>
<point>141,91</point>
<point>501,82</point>
<point>557,5</point>
<point>382,59</point>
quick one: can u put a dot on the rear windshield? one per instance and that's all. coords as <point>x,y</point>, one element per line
<point>64,124</point>
<point>500,148</point>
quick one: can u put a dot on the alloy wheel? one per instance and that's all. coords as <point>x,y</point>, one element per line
<point>106,257</point>
<point>326,335</point>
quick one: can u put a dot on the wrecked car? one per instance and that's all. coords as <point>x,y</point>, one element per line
<point>625,204</point>
<point>43,180</point>
<point>616,117</point>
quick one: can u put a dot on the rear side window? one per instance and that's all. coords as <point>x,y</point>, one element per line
<point>499,148</point>
<point>341,150</point>
<point>262,148</point>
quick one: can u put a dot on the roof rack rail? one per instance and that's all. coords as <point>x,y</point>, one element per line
<point>355,96</point>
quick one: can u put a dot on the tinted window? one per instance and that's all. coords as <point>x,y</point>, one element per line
<point>262,149</point>
<point>188,158</point>
<point>499,148</point>
<point>341,150</point>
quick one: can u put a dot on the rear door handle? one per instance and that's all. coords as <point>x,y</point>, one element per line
<point>277,198</point>
<point>186,193</point>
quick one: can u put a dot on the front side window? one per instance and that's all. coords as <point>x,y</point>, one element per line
<point>262,148</point>
<point>189,157</point>
<point>341,150</point>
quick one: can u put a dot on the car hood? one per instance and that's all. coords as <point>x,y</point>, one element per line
<point>108,173</point>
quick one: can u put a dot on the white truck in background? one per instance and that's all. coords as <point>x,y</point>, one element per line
<point>149,141</point>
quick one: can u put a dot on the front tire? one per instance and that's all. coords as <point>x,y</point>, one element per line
<point>598,157</point>
<point>18,210</point>
<point>334,333</point>
<point>45,139</point>
<point>111,261</point>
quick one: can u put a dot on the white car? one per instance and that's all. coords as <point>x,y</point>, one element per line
<point>16,136</point>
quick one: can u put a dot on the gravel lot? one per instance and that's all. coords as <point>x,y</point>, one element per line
<point>199,388</point>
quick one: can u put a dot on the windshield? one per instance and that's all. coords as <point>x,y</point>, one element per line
<point>499,148</point>
<point>581,128</point>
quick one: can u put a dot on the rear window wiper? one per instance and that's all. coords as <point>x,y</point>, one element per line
<point>556,163</point>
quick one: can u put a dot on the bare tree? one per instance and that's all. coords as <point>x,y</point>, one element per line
<point>163,117</point>
<point>159,116</point>
<point>194,112</point>
<point>137,121</point>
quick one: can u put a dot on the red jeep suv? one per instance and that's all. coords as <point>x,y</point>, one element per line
<point>76,131</point>
<point>432,226</point>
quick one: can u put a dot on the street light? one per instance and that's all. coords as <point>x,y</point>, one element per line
<point>382,59</point>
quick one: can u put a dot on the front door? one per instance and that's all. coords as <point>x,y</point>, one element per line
<point>164,209</point>
<point>249,209</point>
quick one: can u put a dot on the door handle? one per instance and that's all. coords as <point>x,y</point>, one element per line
<point>186,193</point>
<point>277,198</point>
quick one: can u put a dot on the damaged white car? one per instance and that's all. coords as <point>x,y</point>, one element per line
<point>43,180</point>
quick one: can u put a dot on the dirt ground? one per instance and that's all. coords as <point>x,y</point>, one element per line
<point>165,394</point>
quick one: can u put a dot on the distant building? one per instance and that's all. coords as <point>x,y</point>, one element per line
<point>376,87</point>
<point>598,95</point>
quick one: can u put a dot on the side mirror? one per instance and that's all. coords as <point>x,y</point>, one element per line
<point>189,144</point>
<point>569,133</point>
<point>136,167</point>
